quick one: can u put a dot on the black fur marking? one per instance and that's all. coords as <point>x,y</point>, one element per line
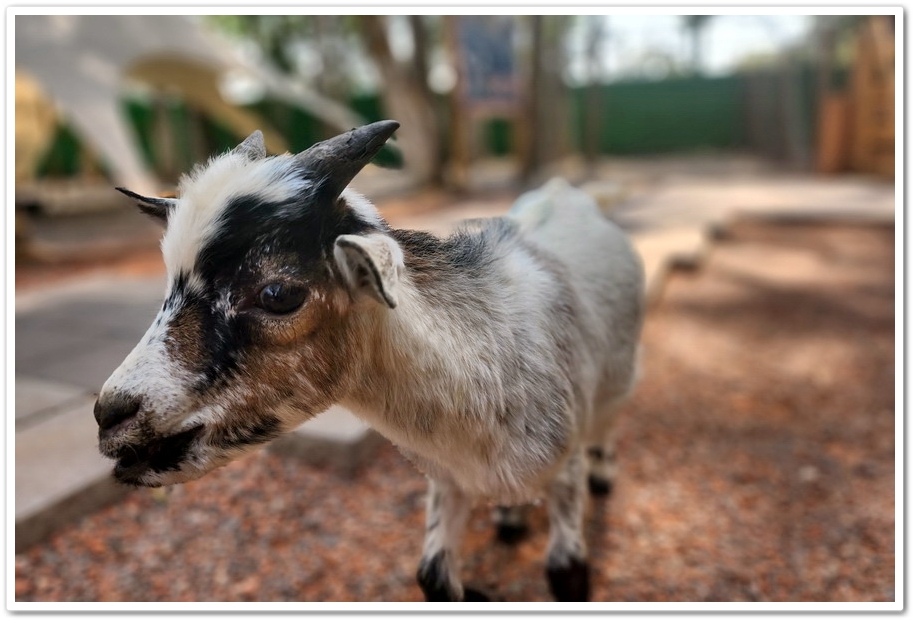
<point>164,454</point>
<point>178,292</point>
<point>302,228</point>
<point>570,582</point>
<point>467,250</point>
<point>596,453</point>
<point>296,234</point>
<point>510,534</point>
<point>511,527</point>
<point>216,342</point>
<point>599,486</point>
<point>471,594</point>
<point>249,433</point>
<point>432,576</point>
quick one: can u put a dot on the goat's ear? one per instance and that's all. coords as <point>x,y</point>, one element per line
<point>372,265</point>
<point>158,207</point>
<point>252,147</point>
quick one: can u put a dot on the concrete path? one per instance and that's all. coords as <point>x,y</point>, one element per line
<point>69,338</point>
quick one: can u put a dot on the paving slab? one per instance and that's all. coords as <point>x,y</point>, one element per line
<point>36,346</point>
<point>60,474</point>
<point>88,368</point>
<point>92,318</point>
<point>101,288</point>
<point>79,333</point>
<point>667,249</point>
<point>35,396</point>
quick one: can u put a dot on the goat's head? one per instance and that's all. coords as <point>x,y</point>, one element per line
<point>265,257</point>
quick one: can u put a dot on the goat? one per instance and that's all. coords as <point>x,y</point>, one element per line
<point>495,359</point>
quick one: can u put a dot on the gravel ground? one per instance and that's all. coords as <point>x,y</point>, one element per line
<point>756,463</point>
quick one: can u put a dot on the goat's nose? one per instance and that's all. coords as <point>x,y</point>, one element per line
<point>114,409</point>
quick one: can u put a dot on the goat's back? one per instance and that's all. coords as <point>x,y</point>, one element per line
<point>604,271</point>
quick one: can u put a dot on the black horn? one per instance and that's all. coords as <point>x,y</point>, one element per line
<point>337,160</point>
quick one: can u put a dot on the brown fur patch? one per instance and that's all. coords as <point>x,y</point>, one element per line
<point>184,339</point>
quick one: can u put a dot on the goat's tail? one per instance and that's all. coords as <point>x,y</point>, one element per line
<point>535,207</point>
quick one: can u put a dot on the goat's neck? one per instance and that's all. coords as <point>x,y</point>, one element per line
<point>433,356</point>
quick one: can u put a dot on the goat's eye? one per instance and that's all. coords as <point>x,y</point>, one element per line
<point>279,298</point>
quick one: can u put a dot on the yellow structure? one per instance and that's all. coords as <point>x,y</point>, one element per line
<point>36,123</point>
<point>82,62</point>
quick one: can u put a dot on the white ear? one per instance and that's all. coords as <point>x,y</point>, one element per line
<point>371,264</point>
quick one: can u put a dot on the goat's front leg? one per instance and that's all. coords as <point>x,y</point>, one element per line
<point>567,568</point>
<point>439,574</point>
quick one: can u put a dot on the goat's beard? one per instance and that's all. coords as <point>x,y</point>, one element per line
<point>164,460</point>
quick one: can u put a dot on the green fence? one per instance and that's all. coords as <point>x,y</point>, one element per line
<point>665,116</point>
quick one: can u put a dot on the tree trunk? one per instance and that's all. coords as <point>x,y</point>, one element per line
<point>533,156</point>
<point>548,98</point>
<point>407,99</point>
<point>593,115</point>
<point>331,82</point>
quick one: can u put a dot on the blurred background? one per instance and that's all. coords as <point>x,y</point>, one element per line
<point>814,93</point>
<point>693,132</point>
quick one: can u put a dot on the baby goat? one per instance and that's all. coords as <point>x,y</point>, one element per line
<point>494,358</point>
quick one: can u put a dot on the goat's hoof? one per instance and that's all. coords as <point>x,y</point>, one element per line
<point>510,534</point>
<point>600,486</point>
<point>433,578</point>
<point>570,582</point>
<point>471,594</point>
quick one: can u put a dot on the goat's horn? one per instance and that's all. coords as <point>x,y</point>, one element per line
<point>337,160</point>
<point>252,147</point>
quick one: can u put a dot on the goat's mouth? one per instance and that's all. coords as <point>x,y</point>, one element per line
<point>159,456</point>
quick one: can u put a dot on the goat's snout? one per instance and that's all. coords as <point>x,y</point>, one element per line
<point>112,409</point>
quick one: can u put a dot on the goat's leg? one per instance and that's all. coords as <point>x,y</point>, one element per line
<point>447,510</point>
<point>602,459</point>
<point>511,523</point>
<point>567,567</point>
<point>602,446</point>
<point>602,470</point>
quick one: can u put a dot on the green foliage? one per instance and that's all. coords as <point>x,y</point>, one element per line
<point>63,156</point>
<point>272,33</point>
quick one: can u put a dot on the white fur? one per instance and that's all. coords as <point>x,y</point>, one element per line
<point>208,190</point>
<point>149,370</point>
<point>492,373</point>
<point>440,383</point>
<point>362,207</point>
<point>440,365</point>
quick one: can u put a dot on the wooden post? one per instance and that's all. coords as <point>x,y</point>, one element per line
<point>458,176</point>
<point>531,160</point>
<point>873,98</point>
